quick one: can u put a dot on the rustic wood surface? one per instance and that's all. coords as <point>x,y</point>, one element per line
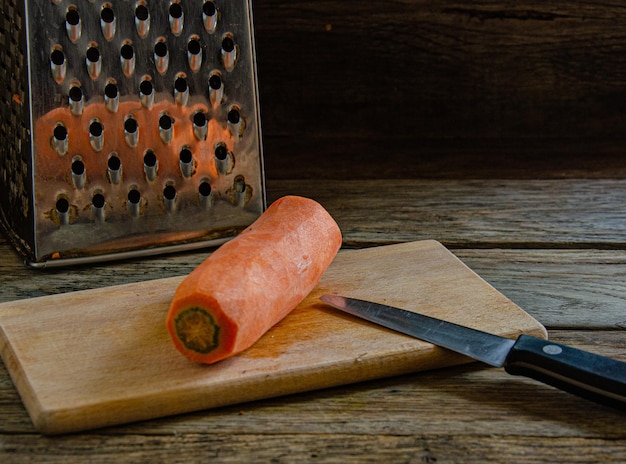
<point>555,247</point>
<point>496,128</point>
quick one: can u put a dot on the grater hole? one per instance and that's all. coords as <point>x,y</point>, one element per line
<point>72,17</point>
<point>78,172</point>
<point>186,164</point>
<point>221,153</point>
<point>114,163</point>
<point>165,128</point>
<point>215,82</point>
<point>57,57</point>
<point>204,189</point>
<point>107,15</point>
<point>62,205</point>
<point>60,132</point>
<point>142,13</point>
<point>76,94</point>
<point>160,49</point>
<point>72,24</point>
<point>181,90</point>
<point>142,19</point>
<point>134,197</point>
<point>96,128</point>
<point>110,90</point>
<point>209,16</point>
<point>194,53</point>
<point>200,126</point>
<point>169,198</point>
<point>199,119</point>
<point>78,168</point>
<point>96,135</point>
<point>234,116</point>
<point>146,87</point>
<point>98,200</point>
<point>176,18</point>
<point>107,21</point>
<point>181,84</point>
<point>229,52</point>
<point>176,11</point>
<point>169,192</point>
<point>209,9</point>
<point>93,54</point>
<point>161,58</point>
<point>114,170</point>
<point>127,52</point>
<point>149,159</point>
<point>194,47</point>
<point>186,156</point>
<point>228,44</point>
<point>165,122</point>
<point>130,125</point>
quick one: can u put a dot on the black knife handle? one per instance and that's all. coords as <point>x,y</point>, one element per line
<point>585,374</point>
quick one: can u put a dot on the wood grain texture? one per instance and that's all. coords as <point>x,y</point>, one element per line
<point>375,82</point>
<point>370,156</point>
<point>573,213</point>
<point>562,288</point>
<point>463,414</point>
<point>105,357</point>
<point>489,415</point>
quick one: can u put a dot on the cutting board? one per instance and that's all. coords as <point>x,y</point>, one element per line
<point>100,357</point>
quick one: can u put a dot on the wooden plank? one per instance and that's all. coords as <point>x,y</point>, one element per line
<point>472,214</point>
<point>369,156</point>
<point>529,69</point>
<point>561,288</point>
<point>105,356</point>
<point>320,448</point>
<point>446,409</point>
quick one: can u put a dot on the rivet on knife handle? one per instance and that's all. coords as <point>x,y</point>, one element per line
<point>585,374</point>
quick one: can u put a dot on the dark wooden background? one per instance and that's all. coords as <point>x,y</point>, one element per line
<point>441,89</point>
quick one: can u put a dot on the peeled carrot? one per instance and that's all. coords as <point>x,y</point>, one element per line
<point>253,281</point>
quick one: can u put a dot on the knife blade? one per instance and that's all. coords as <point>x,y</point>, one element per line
<point>585,374</point>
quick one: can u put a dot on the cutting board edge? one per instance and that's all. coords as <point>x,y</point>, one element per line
<point>19,378</point>
<point>306,379</point>
<point>59,422</point>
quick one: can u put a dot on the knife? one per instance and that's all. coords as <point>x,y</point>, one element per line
<point>585,374</point>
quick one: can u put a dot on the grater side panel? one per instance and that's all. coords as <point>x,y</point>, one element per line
<point>16,185</point>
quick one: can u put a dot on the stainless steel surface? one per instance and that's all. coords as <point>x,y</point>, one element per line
<point>482,346</point>
<point>89,86</point>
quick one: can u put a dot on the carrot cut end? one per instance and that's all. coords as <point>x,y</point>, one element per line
<point>197,331</point>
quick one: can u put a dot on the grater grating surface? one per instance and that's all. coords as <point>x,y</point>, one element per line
<point>130,127</point>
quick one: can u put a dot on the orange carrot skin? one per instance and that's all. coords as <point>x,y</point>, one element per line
<point>253,281</point>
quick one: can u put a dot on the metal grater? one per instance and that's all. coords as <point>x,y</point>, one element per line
<point>129,127</point>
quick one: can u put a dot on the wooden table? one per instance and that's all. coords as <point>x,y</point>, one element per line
<point>495,128</point>
<point>555,247</point>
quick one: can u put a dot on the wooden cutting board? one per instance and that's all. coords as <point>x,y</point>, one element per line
<point>100,357</point>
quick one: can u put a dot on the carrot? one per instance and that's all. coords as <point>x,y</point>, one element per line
<point>253,281</point>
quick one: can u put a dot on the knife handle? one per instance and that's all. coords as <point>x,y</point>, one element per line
<point>585,374</point>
